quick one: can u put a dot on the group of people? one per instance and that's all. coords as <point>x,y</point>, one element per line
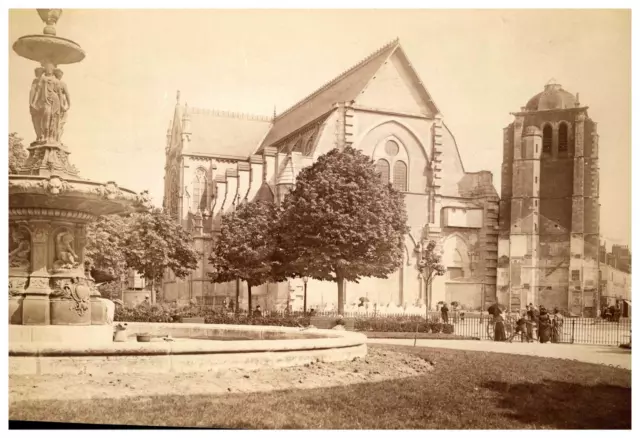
<point>611,313</point>
<point>549,325</point>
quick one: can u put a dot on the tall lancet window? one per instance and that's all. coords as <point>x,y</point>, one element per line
<point>382,167</point>
<point>563,138</point>
<point>199,189</point>
<point>547,139</point>
<point>400,176</point>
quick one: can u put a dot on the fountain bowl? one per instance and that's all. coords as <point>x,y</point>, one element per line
<point>52,48</point>
<point>186,348</point>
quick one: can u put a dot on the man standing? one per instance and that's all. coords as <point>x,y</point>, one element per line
<point>444,311</point>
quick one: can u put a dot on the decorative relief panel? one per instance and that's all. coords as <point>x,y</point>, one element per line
<point>38,282</point>
<point>66,257</point>
<point>76,290</point>
<point>17,285</point>
<point>19,248</point>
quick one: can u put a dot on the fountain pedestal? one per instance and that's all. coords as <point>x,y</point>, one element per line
<point>50,207</point>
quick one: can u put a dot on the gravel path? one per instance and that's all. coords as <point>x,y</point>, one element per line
<point>598,354</point>
<point>377,366</point>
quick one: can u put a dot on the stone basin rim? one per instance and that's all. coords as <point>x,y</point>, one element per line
<point>74,180</point>
<point>333,340</point>
<point>69,52</point>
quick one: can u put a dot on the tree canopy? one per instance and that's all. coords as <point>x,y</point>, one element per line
<point>155,243</point>
<point>341,222</point>
<point>17,153</point>
<point>148,243</point>
<point>104,253</point>
<point>246,246</point>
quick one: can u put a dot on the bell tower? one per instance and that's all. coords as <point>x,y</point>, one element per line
<point>549,208</point>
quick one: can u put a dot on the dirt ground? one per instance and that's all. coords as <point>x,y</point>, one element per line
<point>377,366</point>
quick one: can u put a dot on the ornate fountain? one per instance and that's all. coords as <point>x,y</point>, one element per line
<point>50,206</point>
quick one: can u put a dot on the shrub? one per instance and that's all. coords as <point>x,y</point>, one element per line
<point>173,313</point>
<point>447,329</point>
<point>402,324</point>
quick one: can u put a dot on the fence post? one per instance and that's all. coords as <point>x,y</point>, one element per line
<point>573,326</point>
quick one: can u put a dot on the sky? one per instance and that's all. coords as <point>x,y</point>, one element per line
<point>478,65</point>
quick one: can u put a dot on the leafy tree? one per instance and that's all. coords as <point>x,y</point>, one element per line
<point>17,153</point>
<point>155,243</point>
<point>430,264</point>
<point>104,253</point>
<point>341,223</point>
<point>245,248</point>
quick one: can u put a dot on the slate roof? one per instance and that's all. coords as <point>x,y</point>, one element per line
<point>224,133</point>
<point>343,88</point>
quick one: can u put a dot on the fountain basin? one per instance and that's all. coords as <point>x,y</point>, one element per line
<point>271,347</point>
<point>81,198</point>
<point>49,47</point>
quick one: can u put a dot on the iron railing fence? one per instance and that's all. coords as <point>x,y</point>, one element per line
<point>578,330</point>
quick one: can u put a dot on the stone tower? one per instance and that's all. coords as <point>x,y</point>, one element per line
<point>549,209</point>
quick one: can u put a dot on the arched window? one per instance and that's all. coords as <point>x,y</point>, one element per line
<point>547,139</point>
<point>199,200</point>
<point>382,167</point>
<point>400,176</point>
<point>563,138</point>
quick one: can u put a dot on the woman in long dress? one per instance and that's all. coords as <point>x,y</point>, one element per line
<point>500,335</point>
<point>544,326</point>
<point>556,326</point>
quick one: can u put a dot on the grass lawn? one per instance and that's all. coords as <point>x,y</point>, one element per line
<point>467,390</point>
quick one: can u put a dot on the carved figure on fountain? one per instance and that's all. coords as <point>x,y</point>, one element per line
<point>66,257</point>
<point>65,103</point>
<point>20,250</point>
<point>47,101</point>
<point>55,185</point>
<point>36,115</point>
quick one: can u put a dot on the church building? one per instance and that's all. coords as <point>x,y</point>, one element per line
<point>216,160</point>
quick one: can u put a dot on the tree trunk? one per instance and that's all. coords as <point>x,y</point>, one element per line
<point>340,281</point>
<point>237,306</point>
<point>249,297</point>
<point>153,291</point>
<point>304,306</point>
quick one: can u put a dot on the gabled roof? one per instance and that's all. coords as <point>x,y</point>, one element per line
<point>225,133</point>
<point>215,132</point>
<point>343,88</point>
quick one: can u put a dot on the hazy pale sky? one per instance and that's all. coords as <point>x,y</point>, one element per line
<point>478,66</point>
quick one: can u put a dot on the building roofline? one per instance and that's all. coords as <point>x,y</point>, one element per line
<point>338,78</point>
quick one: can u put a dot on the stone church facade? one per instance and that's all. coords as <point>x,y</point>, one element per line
<point>216,160</point>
